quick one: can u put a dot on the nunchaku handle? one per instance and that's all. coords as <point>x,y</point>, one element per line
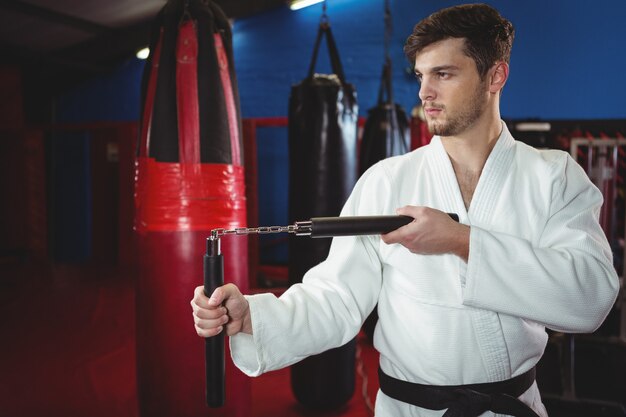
<point>214,346</point>
<point>359,225</point>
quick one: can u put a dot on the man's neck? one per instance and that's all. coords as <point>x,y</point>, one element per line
<point>470,150</point>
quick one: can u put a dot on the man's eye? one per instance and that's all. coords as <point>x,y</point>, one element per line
<point>419,77</point>
<point>443,75</point>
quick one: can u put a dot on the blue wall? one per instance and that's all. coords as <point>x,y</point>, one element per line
<point>567,60</point>
<point>71,203</point>
<point>109,97</point>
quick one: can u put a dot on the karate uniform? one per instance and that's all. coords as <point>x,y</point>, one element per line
<point>537,258</point>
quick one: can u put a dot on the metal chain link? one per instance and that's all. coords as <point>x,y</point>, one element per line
<point>254,230</point>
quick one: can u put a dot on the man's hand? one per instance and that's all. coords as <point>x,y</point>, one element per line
<point>431,232</point>
<point>227,307</point>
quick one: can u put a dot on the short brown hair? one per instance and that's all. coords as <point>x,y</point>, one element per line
<point>488,36</point>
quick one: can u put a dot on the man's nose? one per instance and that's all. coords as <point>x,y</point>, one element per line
<point>427,91</point>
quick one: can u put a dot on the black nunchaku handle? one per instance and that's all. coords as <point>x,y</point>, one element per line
<point>359,225</point>
<point>214,346</point>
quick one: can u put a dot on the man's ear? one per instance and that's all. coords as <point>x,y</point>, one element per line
<point>498,77</point>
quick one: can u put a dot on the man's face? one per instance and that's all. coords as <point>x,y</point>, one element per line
<point>452,94</point>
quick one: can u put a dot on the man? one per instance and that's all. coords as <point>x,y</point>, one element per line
<point>459,304</point>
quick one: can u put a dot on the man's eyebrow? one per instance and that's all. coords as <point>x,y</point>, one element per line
<point>439,68</point>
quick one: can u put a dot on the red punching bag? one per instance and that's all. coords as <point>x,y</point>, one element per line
<point>420,135</point>
<point>189,180</point>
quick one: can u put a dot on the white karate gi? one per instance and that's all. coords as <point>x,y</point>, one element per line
<point>537,258</point>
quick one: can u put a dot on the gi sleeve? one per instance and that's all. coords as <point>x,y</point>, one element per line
<point>566,281</point>
<point>328,308</point>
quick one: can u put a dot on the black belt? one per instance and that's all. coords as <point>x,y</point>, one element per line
<point>463,400</point>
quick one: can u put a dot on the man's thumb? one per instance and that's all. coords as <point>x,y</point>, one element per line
<point>217,297</point>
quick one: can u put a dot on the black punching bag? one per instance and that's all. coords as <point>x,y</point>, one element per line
<point>189,180</point>
<point>323,115</point>
<point>386,132</point>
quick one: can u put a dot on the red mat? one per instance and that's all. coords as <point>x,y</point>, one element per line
<point>68,349</point>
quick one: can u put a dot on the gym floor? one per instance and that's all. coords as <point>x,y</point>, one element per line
<point>68,348</point>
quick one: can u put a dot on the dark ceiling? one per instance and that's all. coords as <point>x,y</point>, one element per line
<point>57,42</point>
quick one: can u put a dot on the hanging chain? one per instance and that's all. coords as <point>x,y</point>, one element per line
<point>388,28</point>
<point>186,13</point>
<point>324,18</point>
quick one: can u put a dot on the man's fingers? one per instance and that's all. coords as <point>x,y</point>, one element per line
<point>215,300</point>
<point>416,212</point>
<point>209,332</point>
<point>203,313</point>
<point>389,238</point>
<point>210,323</point>
<point>404,211</point>
<point>223,293</point>
<point>394,236</point>
<point>219,295</point>
<point>199,297</point>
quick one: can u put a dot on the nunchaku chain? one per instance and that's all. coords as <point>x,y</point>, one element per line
<point>217,233</point>
<point>301,228</point>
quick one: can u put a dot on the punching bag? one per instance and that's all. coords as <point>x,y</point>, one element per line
<point>420,135</point>
<point>323,114</point>
<point>189,180</point>
<point>386,132</point>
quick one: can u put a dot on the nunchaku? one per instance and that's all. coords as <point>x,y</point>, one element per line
<point>316,227</point>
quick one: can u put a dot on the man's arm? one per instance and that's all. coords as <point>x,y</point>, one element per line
<point>565,278</point>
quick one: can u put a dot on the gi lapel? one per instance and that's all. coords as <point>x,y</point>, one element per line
<point>492,178</point>
<point>486,324</point>
<point>481,213</point>
<point>445,180</point>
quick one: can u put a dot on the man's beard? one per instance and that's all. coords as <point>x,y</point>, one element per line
<point>458,123</point>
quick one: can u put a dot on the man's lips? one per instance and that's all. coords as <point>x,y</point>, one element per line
<point>432,111</point>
